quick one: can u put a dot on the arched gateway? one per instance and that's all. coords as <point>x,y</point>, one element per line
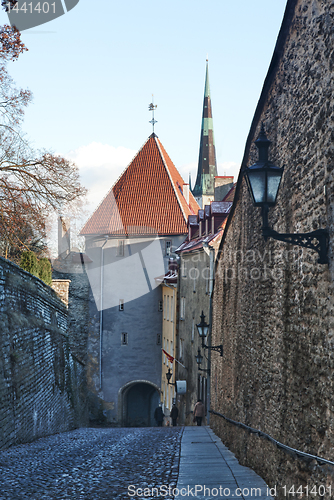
<point>137,401</point>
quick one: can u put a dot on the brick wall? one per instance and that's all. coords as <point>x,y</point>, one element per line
<point>41,382</point>
<point>273,303</point>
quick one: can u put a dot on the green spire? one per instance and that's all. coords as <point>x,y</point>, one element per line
<point>207,166</point>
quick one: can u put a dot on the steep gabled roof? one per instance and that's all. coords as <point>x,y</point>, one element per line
<point>147,198</point>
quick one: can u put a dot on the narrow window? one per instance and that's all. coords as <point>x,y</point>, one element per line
<point>160,308</point>
<point>182,308</point>
<point>121,304</point>
<point>164,306</point>
<point>124,338</point>
<point>181,349</point>
<point>193,331</point>
<point>158,339</point>
<point>207,280</point>
<point>167,307</point>
<point>183,268</point>
<point>172,309</point>
<point>164,356</point>
<point>120,248</point>
<point>168,248</point>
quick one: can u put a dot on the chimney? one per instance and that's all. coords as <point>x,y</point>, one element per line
<point>64,235</point>
<point>185,192</point>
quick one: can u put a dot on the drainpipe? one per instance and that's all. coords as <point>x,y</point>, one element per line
<point>101,311</point>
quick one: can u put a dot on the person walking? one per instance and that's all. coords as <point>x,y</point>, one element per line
<point>174,413</point>
<point>159,415</point>
<point>199,412</point>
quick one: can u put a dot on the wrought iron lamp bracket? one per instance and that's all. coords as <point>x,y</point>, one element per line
<point>217,348</point>
<point>315,240</point>
<point>208,371</point>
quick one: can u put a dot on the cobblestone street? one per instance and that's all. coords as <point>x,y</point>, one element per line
<point>90,464</point>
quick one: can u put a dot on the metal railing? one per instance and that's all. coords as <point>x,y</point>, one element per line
<point>307,457</point>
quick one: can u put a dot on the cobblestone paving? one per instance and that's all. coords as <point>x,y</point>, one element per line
<point>91,464</point>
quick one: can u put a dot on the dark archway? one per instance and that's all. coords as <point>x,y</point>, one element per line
<point>141,401</point>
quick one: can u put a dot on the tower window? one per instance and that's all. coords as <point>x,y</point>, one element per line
<point>160,307</point>
<point>158,339</point>
<point>121,304</point>
<point>168,248</point>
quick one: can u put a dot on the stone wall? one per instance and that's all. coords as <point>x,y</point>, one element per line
<point>41,382</point>
<point>71,271</point>
<point>273,303</point>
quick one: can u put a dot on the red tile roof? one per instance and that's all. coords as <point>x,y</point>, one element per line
<point>147,198</point>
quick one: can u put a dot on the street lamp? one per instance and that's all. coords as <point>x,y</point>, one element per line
<point>203,330</point>
<point>199,359</point>
<point>169,375</point>
<point>264,179</point>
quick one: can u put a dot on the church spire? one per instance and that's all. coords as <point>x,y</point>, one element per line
<point>204,188</point>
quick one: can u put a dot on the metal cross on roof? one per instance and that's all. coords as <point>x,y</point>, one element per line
<point>152,107</point>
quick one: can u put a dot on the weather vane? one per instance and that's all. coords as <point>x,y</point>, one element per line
<point>152,107</point>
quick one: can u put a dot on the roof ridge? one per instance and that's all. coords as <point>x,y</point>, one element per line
<point>171,180</point>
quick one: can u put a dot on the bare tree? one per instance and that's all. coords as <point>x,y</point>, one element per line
<point>31,183</point>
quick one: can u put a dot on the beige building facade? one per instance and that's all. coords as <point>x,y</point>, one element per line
<point>169,298</point>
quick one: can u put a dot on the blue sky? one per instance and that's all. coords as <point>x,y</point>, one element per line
<point>93,72</point>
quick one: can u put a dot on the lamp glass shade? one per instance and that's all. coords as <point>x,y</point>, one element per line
<point>199,357</point>
<point>203,330</point>
<point>273,183</point>
<point>257,184</point>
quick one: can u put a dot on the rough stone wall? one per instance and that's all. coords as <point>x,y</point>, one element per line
<point>73,274</point>
<point>273,303</point>
<point>41,383</point>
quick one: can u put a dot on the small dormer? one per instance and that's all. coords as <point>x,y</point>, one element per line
<point>192,226</point>
<point>219,212</point>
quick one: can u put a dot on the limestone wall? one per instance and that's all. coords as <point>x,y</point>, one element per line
<point>41,383</point>
<point>273,303</point>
